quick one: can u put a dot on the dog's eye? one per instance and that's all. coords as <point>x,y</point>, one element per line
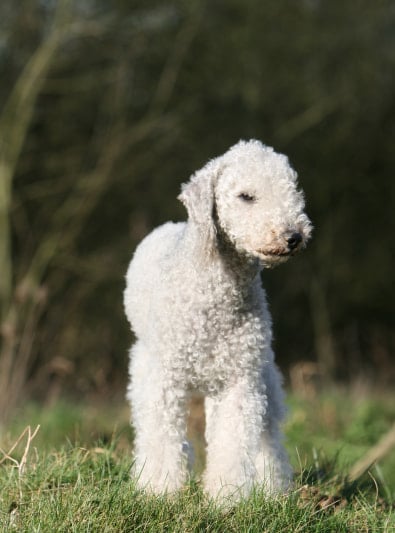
<point>247,197</point>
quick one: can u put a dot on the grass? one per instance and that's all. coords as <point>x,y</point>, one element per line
<point>80,483</point>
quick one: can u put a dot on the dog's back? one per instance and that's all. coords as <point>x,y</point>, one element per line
<point>151,263</point>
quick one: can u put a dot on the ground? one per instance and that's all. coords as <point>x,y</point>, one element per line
<point>76,476</point>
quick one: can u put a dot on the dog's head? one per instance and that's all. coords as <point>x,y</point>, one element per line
<point>250,195</point>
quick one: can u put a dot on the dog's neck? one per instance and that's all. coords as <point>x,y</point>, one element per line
<point>243,266</point>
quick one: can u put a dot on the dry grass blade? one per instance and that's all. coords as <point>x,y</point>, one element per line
<point>377,452</point>
<point>22,463</point>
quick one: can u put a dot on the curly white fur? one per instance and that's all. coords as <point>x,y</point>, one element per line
<point>195,302</point>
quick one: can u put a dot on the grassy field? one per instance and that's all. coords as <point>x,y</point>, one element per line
<point>73,475</point>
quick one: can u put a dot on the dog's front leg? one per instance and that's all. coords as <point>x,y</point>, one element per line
<point>234,420</point>
<point>159,420</point>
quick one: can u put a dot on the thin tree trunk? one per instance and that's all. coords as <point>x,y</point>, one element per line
<point>323,338</point>
<point>15,120</point>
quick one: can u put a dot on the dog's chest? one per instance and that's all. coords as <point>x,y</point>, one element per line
<point>224,332</point>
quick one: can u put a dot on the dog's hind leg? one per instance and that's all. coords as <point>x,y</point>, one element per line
<point>273,470</point>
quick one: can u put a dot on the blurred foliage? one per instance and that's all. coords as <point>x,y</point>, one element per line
<point>129,100</point>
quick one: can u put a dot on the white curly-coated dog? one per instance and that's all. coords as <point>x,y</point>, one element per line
<point>195,302</point>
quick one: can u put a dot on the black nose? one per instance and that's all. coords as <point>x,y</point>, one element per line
<point>294,240</point>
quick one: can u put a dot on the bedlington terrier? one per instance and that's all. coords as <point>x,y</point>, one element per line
<point>196,305</point>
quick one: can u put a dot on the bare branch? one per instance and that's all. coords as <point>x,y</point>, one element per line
<point>174,62</point>
<point>307,119</point>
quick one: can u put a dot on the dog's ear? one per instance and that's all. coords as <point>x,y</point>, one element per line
<point>198,196</point>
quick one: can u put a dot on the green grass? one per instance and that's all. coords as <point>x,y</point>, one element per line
<point>76,477</point>
<point>343,427</point>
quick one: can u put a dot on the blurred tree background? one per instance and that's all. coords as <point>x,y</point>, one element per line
<point>107,106</point>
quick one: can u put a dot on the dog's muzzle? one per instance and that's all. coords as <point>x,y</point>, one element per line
<point>290,245</point>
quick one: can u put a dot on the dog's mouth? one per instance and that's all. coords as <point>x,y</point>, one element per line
<point>271,257</point>
<point>275,253</point>
<point>281,251</point>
